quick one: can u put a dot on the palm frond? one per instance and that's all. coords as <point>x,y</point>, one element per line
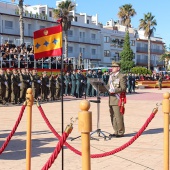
<point>125,13</point>
<point>147,24</point>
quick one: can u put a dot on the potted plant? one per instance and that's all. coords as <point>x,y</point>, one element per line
<point>26,12</point>
<point>45,17</point>
<point>41,15</point>
<point>36,15</point>
<point>17,11</point>
<point>31,14</point>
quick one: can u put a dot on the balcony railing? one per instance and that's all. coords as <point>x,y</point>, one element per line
<point>145,50</point>
<point>145,62</point>
<point>28,61</point>
<point>160,63</point>
<point>84,40</point>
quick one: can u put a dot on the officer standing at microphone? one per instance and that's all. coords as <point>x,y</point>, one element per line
<point>117,87</point>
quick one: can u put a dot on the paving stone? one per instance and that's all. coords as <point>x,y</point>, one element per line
<point>144,154</point>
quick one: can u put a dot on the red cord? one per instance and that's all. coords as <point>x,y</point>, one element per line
<point>55,152</point>
<point>14,129</point>
<point>102,154</point>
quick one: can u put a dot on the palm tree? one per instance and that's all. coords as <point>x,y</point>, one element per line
<point>125,13</point>
<point>148,25</point>
<point>21,22</point>
<point>63,13</point>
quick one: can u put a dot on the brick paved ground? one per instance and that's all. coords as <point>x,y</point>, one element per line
<point>146,153</point>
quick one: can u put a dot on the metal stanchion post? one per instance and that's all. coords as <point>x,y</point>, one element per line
<point>29,100</point>
<point>166,110</point>
<point>85,127</point>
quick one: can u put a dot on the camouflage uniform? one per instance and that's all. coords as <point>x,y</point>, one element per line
<point>58,87</point>
<point>25,83</point>
<point>15,88</point>
<point>35,84</point>
<point>52,87</point>
<point>3,84</point>
<point>45,86</point>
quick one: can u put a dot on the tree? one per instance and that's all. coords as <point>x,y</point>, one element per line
<point>140,70</point>
<point>166,57</point>
<point>63,13</point>
<point>21,21</point>
<point>125,13</point>
<point>126,55</point>
<point>148,25</point>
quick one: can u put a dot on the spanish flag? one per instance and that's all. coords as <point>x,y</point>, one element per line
<point>48,42</point>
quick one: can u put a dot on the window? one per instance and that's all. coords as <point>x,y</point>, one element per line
<point>8,24</point>
<point>138,44</point>
<point>152,57</point>
<point>75,18</point>
<point>43,13</point>
<point>157,47</point>
<point>82,34</point>
<point>9,41</point>
<point>144,57</point>
<point>87,21</point>
<point>29,29</point>
<point>93,36</point>
<point>41,27</point>
<point>93,51</point>
<point>133,55</point>
<point>132,43</point>
<point>117,56</point>
<point>138,56</point>
<point>82,50</point>
<point>70,49</point>
<point>106,53</point>
<point>145,45</point>
<point>50,13</point>
<point>70,33</point>
<point>106,39</point>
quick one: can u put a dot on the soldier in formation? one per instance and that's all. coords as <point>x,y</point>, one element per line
<point>14,84</point>
<point>3,87</point>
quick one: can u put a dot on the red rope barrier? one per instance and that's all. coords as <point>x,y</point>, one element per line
<point>55,133</point>
<point>106,153</point>
<point>55,152</point>
<point>129,142</point>
<point>13,130</point>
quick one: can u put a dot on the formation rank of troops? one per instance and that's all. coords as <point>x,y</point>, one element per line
<point>13,85</point>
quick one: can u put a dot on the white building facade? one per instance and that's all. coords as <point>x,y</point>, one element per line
<point>98,45</point>
<point>157,49</point>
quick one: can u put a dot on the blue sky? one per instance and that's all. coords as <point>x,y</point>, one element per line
<point>108,9</point>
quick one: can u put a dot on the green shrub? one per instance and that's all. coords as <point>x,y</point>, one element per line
<point>140,70</point>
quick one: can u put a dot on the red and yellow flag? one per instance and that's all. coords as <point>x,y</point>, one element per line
<point>48,42</point>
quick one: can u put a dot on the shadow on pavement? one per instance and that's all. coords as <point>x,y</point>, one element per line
<point>147,132</point>
<point>16,148</point>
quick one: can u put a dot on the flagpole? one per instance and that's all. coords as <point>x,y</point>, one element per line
<point>62,109</point>
<point>43,47</point>
<point>62,102</point>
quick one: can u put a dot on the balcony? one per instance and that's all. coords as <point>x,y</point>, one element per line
<point>84,40</point>
<point>160,63</point>
<point>86,55</point>
<point>144,62</point>
<point>145,50</point>
<point>157,51</point>
<point>90,56</point>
